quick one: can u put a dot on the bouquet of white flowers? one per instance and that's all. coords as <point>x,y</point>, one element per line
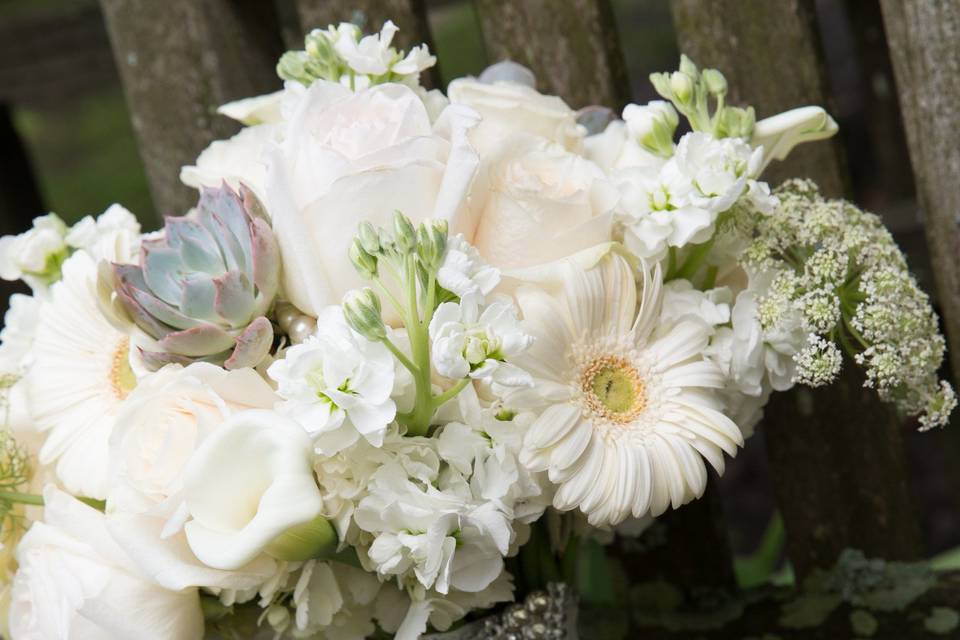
<point>409,345</point>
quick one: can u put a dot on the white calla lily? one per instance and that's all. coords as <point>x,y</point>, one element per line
<point>779,134</point>
<point>246,485</point>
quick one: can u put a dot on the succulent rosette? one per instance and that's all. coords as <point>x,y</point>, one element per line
<point>205,284</point>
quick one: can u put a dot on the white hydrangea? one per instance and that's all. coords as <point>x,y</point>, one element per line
<point>337,385</point>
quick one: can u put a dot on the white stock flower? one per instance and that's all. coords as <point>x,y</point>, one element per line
<point>337,385</point>
<point>678,204</point>
<point>475,343</point>
<point>438,537</point>
<point>347,157</point>
<point>335,601</point>
<point>373,55</point>
<point>630,410</point>
<point>80,376</point>
<point>247,483</point>
<point>464,272</point>
<point>36,254</point>
<point>75,582</point>
<point>643,139</point>
<point>535,202</point>
<point>681,299</point>
<point>509,109</point>
<point>721,171</point>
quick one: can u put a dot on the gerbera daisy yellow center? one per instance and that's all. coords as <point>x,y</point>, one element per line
<point>122,379</point>
<point>614,389</point>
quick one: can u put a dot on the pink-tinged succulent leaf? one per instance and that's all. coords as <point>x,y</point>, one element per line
<point>162,311</point>
<point>234,298</point>
<point>266,260</point>
<point>162,270</point>
<point>221,212</point>
<point>199,293</point>
<point>157,359</point>
<point>253,345</point>
<point>252,204</point>
<point>199,341</point>
<point>126,280</point>
<point>198,249</point>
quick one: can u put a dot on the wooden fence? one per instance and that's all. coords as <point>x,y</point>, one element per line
<point>836,454</point>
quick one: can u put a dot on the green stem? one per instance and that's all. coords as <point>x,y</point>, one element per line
<point>450,393</point>
<point>695,260</point>
<point>671,264</point>
<point>710,281</point>
<point>22,498</point>
<point>401,356</point>
<point>37,500</point>
<point>418,421</point>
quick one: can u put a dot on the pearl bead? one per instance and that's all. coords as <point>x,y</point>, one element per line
<point>301,328</point>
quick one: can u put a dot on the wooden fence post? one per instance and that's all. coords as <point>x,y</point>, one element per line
<point>571,46</point>
<point>835,453</point>
<point>924,39</point>
<point>409,15</point>
<point>179,60</point>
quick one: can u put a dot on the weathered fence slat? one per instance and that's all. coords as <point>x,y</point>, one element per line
<point>179,60</point>
<point>834,452</point>
<point>571,46</point>
<point>409,15</point>
<point>924,39</point>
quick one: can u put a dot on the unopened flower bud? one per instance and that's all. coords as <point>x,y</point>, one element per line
<point>687,66</point>
<point>716,83</point>
<point>682,86</point>
<point>404,233</point>
<point>432,243</point>
<point>369,238</point>
<point>278,617</point>
<point>362,311</point>
<point>363,262</point>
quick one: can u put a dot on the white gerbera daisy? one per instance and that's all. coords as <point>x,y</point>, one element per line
<point>631,412</point>
<point>80,375</point>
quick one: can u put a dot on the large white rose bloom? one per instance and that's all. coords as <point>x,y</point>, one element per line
<point>509,109</point>
<point>75,582</point>
<point>535,202</point>
<point>348,157</point>
<point>165,419</point>
<point>630,410</point>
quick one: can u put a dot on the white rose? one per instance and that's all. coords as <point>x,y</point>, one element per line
<point>75,582</point>
<point>512,108</point>
<point>538,202</point>
<point>248,483</point>
<point>164,420</point>
<point>348,157</point>
<point>237,160</point>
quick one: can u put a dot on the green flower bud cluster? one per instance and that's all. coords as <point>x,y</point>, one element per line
<point>690,91</point>
<point>402,263</point>
<point>840,271</point>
